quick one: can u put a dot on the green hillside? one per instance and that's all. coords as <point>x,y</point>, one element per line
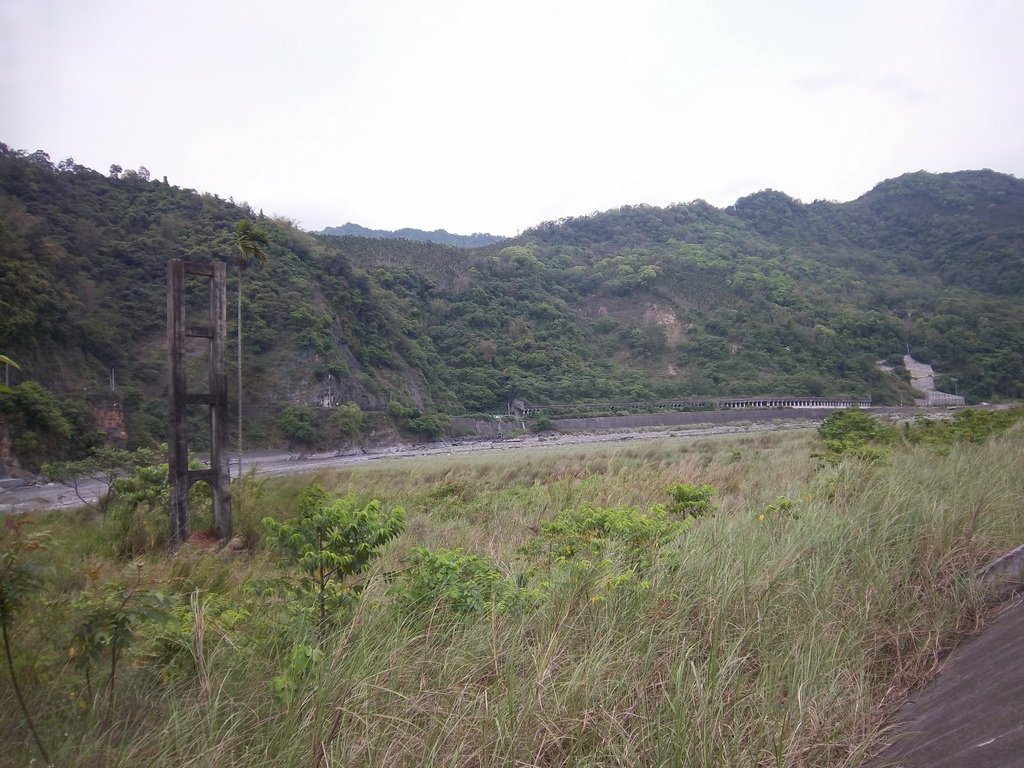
<point>769,296</point>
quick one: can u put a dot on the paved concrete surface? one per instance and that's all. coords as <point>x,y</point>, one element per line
<point>972,714</point>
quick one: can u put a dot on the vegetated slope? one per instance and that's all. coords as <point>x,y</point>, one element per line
<point>769,296</point>
<point>964,228</point>
<point>442,236</point>
<point>786,295</point>
<point>82,289</point>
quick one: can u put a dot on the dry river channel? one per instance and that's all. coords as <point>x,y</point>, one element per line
<point>44,496</point>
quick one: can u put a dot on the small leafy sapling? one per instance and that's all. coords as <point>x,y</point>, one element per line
<point>107,625</point>
<point>22,574</point>
<point>301,665</point>
<point>331,540</point>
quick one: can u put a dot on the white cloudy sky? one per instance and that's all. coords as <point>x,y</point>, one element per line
<point>475,115</point>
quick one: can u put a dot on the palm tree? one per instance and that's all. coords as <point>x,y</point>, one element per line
<point>251,242</point>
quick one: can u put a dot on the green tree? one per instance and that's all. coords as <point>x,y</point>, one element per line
<point>332,540</point>
<point>298,424</point>
<point>690,500</point>
<point>103,465</point>
<point>347,421</point>
<point>251,242</point>
<point>39,428</point>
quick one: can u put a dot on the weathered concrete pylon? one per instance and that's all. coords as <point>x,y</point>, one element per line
<point>216,398</point>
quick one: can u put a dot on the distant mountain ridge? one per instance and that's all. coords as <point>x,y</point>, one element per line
<point>442,236</point>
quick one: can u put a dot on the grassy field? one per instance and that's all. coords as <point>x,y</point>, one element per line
<point>777,630</point>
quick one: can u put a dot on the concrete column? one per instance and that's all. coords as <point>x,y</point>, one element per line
<point>215,332</point>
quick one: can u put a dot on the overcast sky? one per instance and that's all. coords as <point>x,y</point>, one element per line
<point>474,116</point>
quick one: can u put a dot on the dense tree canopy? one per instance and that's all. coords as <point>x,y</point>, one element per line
<point>768,296</point>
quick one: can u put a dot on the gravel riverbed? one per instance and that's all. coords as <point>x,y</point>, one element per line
<point>48,496</point>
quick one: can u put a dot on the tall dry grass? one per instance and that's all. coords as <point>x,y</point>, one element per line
<point>779,641</point>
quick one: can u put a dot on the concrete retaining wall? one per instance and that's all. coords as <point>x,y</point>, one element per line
<point>690,418</point>
<point>462,426</point>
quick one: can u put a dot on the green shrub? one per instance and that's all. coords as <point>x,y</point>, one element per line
<point>542,423</point>
<point>428,425</point>
<point>137,521</point>
<point>970,425</point>
<point>851,432</point>
<point>854,425</point>
<point>451,579</point>
<point>105,465</point>
<point>594,534</point>
<point>346,422</point>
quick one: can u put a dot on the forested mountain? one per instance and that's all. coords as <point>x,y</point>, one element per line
<point>770,296</point>
<point>441,236</point>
